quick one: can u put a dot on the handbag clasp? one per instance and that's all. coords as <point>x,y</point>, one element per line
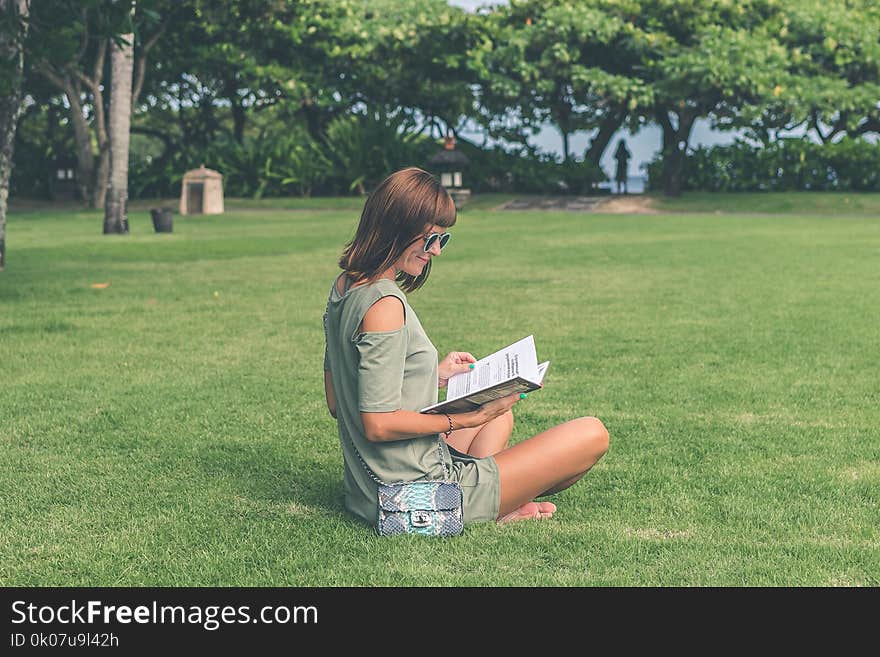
<point>421,519</point>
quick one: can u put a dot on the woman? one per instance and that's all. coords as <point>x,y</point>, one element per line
<point>380,368</point>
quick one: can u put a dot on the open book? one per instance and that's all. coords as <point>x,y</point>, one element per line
<point>509,370</point>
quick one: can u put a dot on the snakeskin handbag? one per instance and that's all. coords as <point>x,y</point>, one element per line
<point>431,508</point>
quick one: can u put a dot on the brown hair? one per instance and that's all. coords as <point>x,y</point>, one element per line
<point>396,213</point>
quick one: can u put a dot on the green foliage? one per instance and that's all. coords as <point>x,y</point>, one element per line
<point>563,62</point>
<point>362,150</point>
<point>301,163</point>
<point>527,171</point>
<point>12,31</point>
<point>323,96</point>
<point>783,165</point>
<point>266,162</point>
<point>355,154</point>
<point>832,81</point>
<point>34,152</point>
<point>151,178</point>
<point>414,61</point>
<point>56,27</point>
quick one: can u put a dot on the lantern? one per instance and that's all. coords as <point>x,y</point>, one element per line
<point>450,165</point>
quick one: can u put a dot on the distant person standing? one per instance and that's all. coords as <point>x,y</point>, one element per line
<point>622,156</point>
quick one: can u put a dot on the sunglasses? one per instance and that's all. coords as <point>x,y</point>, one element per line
<point>431,239</point>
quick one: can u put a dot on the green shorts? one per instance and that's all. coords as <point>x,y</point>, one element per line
<point>480,485</point>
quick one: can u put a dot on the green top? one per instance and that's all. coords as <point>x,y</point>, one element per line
<point>376,373</point>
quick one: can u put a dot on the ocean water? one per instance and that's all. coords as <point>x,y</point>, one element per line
<point>634,185</point>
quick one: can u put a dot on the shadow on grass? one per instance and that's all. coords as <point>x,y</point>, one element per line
<point>277,478</point>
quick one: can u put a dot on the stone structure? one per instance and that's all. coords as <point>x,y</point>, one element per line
<point>201,192</point>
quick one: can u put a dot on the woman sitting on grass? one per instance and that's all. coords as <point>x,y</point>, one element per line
<point>380,368</point>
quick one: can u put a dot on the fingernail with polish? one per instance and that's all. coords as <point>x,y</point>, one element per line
<point>523,395</point>
<point>471,366</point>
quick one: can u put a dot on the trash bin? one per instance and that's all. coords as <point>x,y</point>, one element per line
<point>162,222</point>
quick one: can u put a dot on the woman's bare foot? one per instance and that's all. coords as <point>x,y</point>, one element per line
<point>530,510</point>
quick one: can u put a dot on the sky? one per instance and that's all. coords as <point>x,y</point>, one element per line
<point>644,145</point>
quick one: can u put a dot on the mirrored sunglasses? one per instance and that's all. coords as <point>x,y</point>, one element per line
<point>434,237</point>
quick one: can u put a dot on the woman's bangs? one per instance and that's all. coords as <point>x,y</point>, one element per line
<point>445,213</point>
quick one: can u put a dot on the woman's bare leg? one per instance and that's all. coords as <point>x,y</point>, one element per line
<point>493,436</point>
<point>486,439</point>
<point>548,462</point>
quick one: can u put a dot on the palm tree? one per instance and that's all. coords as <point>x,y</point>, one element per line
<point>122,67</point>
<point>11,60</point>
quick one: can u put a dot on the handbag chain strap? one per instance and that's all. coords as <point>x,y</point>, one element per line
<point>373,476</point>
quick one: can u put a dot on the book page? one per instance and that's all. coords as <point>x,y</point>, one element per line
<point>542,370</point>
<point>519,359</point>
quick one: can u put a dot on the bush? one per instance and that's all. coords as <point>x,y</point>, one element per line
<point>363,150</point>
<point>527,171</point>
<point>784,165</point>
<point>355,153</point>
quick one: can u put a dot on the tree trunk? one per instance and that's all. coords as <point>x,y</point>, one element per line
<point>122,66</point>
<point>140,63</point>
<point>11,65</point>
<point>237,109</point>
<point>316,120</point>
<point>672,166</point>
<point>675,141</point>
<point>92,180</point>
<point>51,126</point>
<point>610,124</point>
<point>561,113</point>
<point>69,80</point>
<point>102,173</point>
<point>238,119</point>
<point>869,124</point>
<point>85,157</point>
<point>102,176</point>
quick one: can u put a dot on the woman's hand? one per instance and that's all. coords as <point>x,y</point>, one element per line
<point>454,363</point>
<point>491,410</point>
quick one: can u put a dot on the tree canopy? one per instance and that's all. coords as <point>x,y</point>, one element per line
<point>291,93</point>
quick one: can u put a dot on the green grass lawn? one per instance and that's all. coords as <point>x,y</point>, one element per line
<point>826,204</point>
<point>156,433</point>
